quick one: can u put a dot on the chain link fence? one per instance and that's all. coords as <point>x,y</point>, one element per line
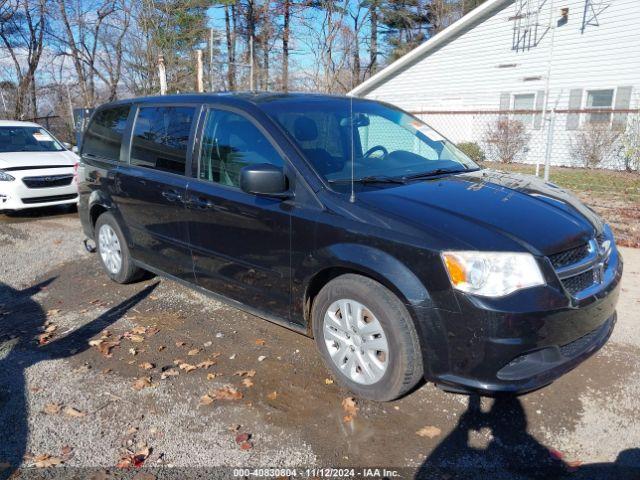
<point>591,138</point>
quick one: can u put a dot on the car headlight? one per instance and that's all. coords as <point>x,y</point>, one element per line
<point>492,274</point>
<point>5,177</point>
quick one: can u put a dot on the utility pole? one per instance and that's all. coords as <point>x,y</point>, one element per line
<point>251,67</point>
<point>73,120</point>
<point>551,119</point>
<point>162,73</point>
<point>211,59</point>
<point>199,72</point>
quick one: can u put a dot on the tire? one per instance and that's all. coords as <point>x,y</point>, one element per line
<point>373,374</point>
<point>124,271</point>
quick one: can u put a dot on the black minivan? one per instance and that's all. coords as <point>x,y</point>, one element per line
<point>353,222</point>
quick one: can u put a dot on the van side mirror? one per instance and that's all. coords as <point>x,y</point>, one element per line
<point>264,179</point>
<point>66,145</point>
<point>75,150</point>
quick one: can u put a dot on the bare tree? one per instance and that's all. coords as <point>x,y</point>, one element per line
<point>506,139</point>
<point>82,24</point>
<point>22,27</point>
<point>593,144</point>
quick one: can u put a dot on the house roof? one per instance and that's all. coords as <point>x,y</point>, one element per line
<point>454,30</point>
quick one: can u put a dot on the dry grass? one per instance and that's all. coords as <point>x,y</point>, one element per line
<point>614,195</point>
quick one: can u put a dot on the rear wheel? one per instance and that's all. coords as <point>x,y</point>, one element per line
<point>114,252</point>
<point>367,338</point>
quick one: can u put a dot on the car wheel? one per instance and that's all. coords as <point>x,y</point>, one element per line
<point>367,338</point>
<point>114,252</point>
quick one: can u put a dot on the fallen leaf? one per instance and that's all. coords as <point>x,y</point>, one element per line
<point>242,437</point>
<point>161,347</point>
<point>96,343</point>
<point>74,412</point>
<point>206,364</point>
<point>52,312</point>
<point>146,365</point>
<point>46,461</point>
<point>152,331</point>
<point>273,395</point>
<point>206,399</point>
<point>208,344</point>
<point>139,330</point>
<point>180,344</point>
<point>245,373</point>
<point>328,381</point>
<point>136,338</point>
<point>193,352</point>
<point>573,465</point>
<point>142,382</point>
<point>133,351</point>
<point>557,454</point>
<point>105,348</point>
<point>260,341</point>
<point>44,338</point>
<point>187,367</point>
<point>211,376</point>
<point>106,370</point>
<point>51,328</point>
<point>226,393</point>
<point>52,408</point>
<point>350,408</point>
<point>247,382</point>
<point>429,431</point>
<point>172,372</point>
<point>246,446</point>
<point>261,358</point>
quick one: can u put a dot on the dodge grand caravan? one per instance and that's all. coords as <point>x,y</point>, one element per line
<point>355,223</point>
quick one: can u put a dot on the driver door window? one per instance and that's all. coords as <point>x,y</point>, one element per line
<point>229,143</point>
<point>394,137</point>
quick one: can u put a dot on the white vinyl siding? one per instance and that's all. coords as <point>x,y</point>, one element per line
<point>479,70</point>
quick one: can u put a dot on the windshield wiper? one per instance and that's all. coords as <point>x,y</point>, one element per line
<point>437,171</point>
<point>371,179</point>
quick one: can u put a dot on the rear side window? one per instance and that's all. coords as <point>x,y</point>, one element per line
<point>104,135</point>
<point>160,138</point>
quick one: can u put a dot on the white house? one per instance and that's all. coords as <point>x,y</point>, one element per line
<point>505,55</point>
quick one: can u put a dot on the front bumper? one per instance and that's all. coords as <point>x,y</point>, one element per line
<point>15,195</point>
<point>518,344</point>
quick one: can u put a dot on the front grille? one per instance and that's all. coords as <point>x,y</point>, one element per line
<point>48,181</point>
<point>579,282</point>
<point>50,198</point>
<point>569,257</point>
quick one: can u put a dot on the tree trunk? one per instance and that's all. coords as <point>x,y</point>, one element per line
<point>373,47</point>
<point>285,46</point>
<point>231,74</point>
<point>34,101</point>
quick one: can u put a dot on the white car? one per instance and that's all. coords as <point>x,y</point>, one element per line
<point>36,170</point>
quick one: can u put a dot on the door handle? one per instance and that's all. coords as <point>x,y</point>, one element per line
<point>200,203</point>
<point>172,195</point>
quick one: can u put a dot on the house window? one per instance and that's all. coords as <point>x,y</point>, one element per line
<point>524,102</point>
<point>599,99</point>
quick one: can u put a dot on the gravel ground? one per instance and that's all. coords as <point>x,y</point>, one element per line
<point>586,424</point>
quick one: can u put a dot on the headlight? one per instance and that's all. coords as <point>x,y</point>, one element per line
<point>492,274</point>
<point>5,177</point>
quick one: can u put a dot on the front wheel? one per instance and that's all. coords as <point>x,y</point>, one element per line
<point>114,252</point>
<point>367,338</point>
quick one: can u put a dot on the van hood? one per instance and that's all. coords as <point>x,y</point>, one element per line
<point>489,210</point>
<point>16,160</point>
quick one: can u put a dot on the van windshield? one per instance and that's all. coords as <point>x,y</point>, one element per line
<point>27,139</point>
<point>383,141</point>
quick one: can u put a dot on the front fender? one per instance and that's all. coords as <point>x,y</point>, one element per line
<point>380,266</point>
